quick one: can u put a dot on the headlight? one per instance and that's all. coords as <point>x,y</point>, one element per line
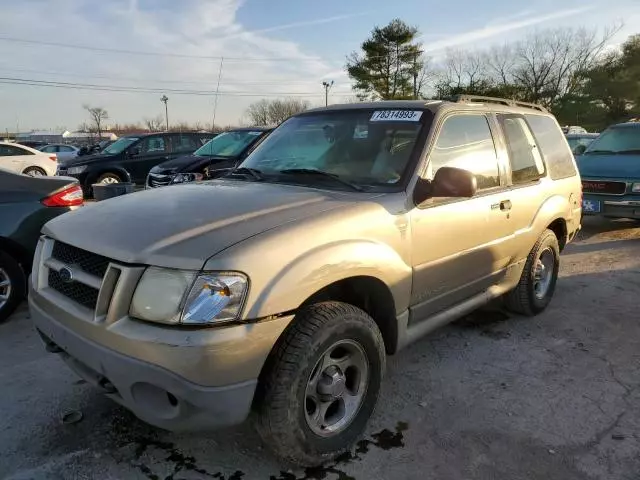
<point>76,170</point>
<point>186,177</point>
<point>635,188</point>
<point>182,297</point>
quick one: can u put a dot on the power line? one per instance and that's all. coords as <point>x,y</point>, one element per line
<point>142,79</point>
<point>116,88</point>
<point>153,54</point>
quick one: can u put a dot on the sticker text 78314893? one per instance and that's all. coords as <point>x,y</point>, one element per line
<point>396,116</point>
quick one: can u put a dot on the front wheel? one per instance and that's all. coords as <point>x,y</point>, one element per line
<point>108,179</point>
<point>321,383</point>
<point>538,281</point>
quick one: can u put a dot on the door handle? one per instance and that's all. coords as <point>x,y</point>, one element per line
<point>505,205</point>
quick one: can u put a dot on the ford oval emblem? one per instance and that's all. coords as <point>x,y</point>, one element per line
<point>66,274</point>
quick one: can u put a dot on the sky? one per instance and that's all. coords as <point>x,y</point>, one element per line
<point>266,48</point>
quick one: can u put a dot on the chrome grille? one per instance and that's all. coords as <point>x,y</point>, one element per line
<point>76,291</point>
<point>604,187</point>
<point>88,262</point>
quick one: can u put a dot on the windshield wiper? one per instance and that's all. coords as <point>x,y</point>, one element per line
<point>320,173</point>
<point>252,172</point>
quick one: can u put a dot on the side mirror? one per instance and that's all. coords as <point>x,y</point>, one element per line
<point>134,152</point>
<point>580,149</point>
<point>448,182</point>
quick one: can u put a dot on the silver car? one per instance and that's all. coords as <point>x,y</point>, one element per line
<point>63,152</point>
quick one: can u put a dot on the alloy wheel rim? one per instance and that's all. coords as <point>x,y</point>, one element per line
<point>5,288</point>
<point>109,181</point>
<point>35,173</point>
<point>336,388</point>
<point>543,273</point>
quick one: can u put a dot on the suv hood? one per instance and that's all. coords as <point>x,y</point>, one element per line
<point>609,166</point>
<point>182,226</point>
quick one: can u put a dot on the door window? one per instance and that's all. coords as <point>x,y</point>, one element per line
<point>526,162</point>
<point>465,142</point>
<point>152,145</point>
<point>65,149</point>
<point>50,149</point>
<point>184,143</point>
<point>11,151</point>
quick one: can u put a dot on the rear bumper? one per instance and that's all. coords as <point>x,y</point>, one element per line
<point>154,394</point>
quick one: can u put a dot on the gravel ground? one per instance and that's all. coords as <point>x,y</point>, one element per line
<point>492,396</point>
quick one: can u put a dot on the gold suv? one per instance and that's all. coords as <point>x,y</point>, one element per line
<point>350,232</point>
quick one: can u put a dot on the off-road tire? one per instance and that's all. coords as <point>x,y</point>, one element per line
<point>18,284</point>
<point>522,299</point>
<point>280,402</point>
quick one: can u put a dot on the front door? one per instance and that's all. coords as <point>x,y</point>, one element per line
<point>149,152</point>
<point>460,246</point>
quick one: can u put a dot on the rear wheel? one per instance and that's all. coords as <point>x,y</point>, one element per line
<point>35,172</point>
<point>321,384</point>
<point>12,285</point>
<point>538,281</point>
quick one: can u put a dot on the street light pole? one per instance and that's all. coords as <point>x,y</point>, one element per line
<point>164,100</point>
<point>327,86</point>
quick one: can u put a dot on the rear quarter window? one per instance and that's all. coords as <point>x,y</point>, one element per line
<point>553,145</point>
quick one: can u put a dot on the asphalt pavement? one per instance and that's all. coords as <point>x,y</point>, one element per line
<point>493,396</point>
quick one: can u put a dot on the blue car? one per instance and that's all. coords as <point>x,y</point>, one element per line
<point>610,171</point>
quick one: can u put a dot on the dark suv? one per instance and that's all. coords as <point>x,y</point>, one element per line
<point>216,157</point>
<point>130,158</point>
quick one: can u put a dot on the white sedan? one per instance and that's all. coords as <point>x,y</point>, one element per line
<point>21,159</point>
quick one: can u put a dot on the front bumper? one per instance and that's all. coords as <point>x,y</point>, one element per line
<point>153,394</point>
<point>171,377</point>
<point>627,206</point>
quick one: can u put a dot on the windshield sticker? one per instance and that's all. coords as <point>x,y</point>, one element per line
<point>396,116</point>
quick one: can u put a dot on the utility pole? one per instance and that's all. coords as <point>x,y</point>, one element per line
<point>164,99</point>
<point>327,86</point>
<point>215,102</point>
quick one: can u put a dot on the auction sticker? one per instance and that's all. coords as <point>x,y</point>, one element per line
<point>396,116</point>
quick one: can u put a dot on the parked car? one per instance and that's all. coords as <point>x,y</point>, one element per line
<point>130,158</point>
<point>32,143</point>
<point>26,204</point>
<point>350,231</point>
<point>62,151</point>
<point>27,160</point>
<point>610,170</point>
<point>213,159</point>
<point>576,140</point>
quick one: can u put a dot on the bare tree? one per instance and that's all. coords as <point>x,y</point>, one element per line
<point>501,62</point>
<point>549,62</point>
<point>280,110</point>
<point>274,112</point>
<point>258,112</point>
<point>97,115</point>
<point>154,124</point>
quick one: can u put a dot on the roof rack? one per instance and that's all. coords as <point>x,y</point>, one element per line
<point>501,101</point>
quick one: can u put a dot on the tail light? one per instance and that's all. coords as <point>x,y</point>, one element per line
<point>68,197</point>
<point>53,158</point>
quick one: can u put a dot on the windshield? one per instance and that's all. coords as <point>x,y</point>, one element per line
<point>119,145</point>
<point>617,140</point>
<point>228,144</point>
<point>574,142</point>
<point>364,147</point>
